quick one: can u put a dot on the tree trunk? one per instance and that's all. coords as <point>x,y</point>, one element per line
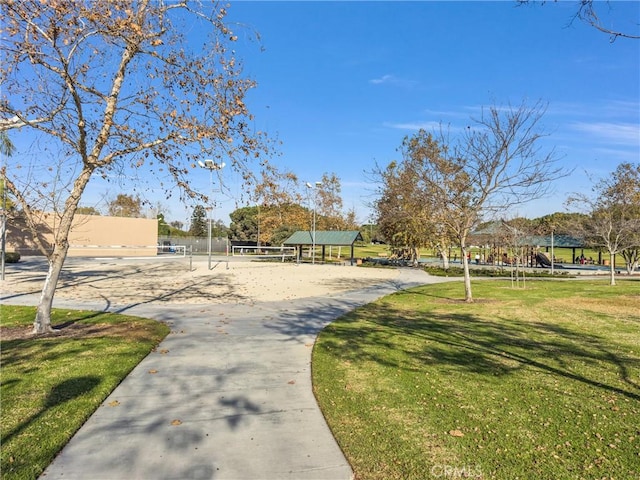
<point>630,256</point>
<point>42,322</point>
<point>445,259</point>
<point>468,297</point>
<point>612,269</point>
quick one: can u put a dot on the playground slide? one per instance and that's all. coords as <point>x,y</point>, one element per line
<point>543,260</point>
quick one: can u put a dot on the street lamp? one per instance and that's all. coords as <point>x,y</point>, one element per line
<point>313,236</point>
<point>211,166</point>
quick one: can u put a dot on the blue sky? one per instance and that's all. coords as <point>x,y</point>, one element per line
<point>342,83</point>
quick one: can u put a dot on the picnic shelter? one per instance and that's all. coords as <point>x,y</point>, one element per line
<point>324,238</point>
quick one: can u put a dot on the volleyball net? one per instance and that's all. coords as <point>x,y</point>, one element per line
<point>127,250</point>
<point>263,252</point>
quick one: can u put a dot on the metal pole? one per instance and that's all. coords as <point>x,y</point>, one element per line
<point>313,235</point>
<point>552,254</point>
<point>211,166</point>
<point>209,243</point>
<point>210,213</point>
<point>4,226</point>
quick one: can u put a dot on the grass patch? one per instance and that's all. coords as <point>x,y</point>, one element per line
<point>51,384</point>
<point>538,383</point>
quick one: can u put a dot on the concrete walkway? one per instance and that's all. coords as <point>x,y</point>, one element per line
<point>227,395</point>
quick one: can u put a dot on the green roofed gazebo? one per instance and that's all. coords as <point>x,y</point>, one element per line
<point>324,238</point>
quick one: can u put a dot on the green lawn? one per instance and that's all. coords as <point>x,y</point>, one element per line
<point>51,385</point>
<point>535,383</point>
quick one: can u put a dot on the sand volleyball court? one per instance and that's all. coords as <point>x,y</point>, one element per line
<point>178,280</point>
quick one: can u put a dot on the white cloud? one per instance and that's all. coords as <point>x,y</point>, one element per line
<point>615,133</point>
<point>393,81</point>
<point>381,80</point>
<point>622,108</point>
<point>464,114</point>
<point>609,109</point>
<point>429,126</point>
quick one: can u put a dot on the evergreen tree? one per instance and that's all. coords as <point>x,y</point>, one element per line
<point>244,224</point>
<point>198,222</point>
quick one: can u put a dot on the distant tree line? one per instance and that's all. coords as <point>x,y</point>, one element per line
<point>442,190</point>
<point>412,213</point>
<point>282,204</point>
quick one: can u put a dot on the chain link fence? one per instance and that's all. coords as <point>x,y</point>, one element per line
<point>197,245</point>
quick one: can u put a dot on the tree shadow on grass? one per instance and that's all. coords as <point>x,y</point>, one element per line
<point>15,351</point>
<point>61,393</point>
<point>464,342</point>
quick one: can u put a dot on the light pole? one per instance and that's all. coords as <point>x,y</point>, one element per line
<point>4,227</point>
<point>313,236</point>
<point>211,166</point>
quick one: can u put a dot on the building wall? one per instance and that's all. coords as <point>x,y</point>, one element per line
<point>90,236</point>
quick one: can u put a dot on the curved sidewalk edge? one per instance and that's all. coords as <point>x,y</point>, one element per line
<point>227,395</point>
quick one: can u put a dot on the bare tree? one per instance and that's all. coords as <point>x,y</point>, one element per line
<point>277,198</point>
<point>491,168</point>
<point>329,202</point>
<point>117,84</point>
<point>351,220</point>
<point>513,236</point>
<point>277,187</point>
<point>177,224</point>
<point>613,222</point>
<point>589,12</point>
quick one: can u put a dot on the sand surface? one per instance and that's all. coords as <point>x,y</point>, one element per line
<point>179,280</point>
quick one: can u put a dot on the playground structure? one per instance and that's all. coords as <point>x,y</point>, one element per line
<point>543,259</point>
<point>503,244</point>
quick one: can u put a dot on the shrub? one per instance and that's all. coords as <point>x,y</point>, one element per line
<point>11,257</point>
<point>487,272</point>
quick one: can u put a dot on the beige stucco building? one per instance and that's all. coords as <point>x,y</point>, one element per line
<point>90,236</point>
